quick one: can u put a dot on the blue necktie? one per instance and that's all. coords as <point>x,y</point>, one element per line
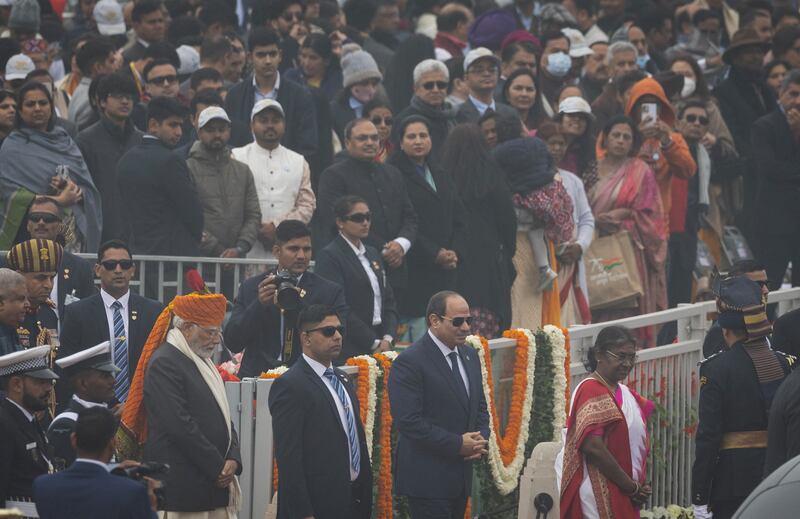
<point>352,432</point>
<point>120,343</point>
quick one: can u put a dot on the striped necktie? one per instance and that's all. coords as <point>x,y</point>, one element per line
<point>352,432</point>
<point>120,342</point>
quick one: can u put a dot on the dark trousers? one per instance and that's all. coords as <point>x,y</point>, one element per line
<point>682,258</point>
<point>424,508</point>
<point>726,509</point>
<point>775,252</point>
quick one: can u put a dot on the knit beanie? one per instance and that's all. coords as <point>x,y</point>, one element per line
<point>358,66</point>
<point>25,15</point>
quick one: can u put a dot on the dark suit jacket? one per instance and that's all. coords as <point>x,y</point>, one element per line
<point>75,274</point>
<point>256,328</point>
<point>338,263</point>
<point>89,491</point>
<point>776,156</point>
<point>311,449</point>
<point>786,333</point>
<point>297,104</point>
<point>467,113</point>
<point>20,465</point>
<point>186,430</point>
<point>383,188</point>
<point>431,417</point>
<point>164,212</point>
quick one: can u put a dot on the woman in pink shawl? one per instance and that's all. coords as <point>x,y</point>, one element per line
<point>626,197</point>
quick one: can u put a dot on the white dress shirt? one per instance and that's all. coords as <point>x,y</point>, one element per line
<point>107,302</point>
<point>272,94</point>
<point>319,369</point>
<point>361,254</point>
<point>94,462</point>
<point>446,350</point>
<point>481,106</point>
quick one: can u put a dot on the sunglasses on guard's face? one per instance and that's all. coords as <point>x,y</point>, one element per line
<point>328,331</point>
<point>458,322</point>
<point>359,217</point>
<point>112,264</point>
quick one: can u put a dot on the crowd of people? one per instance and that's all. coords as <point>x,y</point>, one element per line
<point>510,153</point>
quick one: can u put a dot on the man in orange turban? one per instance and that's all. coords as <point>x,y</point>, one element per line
<point>177,408</point>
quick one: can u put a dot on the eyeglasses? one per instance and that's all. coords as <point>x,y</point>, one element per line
<point>121,96</point>
<point>625,357</point>
<point>288,17</point>
<point>483,70</point>
<point>429,85</point>
<point>43,217</point>
<point>692,118</point>
<point>328,331</point>
<point>163,80</point>
<point>210,331</point>
<point>359,217</point>
<point>385,120</point>
<point>112,264</point>
<point>458,322</point>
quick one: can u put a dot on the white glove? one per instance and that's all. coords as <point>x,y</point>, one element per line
<point>701,512</point>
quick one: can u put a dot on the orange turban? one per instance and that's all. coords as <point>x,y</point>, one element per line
<point>203,309</point>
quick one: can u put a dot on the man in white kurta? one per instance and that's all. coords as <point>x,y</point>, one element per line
<point>282,177</point>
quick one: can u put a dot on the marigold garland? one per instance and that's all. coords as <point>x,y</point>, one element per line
<point>366,391</point>
<point>384,502</point>
<point>567,368</point>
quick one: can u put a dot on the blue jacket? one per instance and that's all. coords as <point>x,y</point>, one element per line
<point>88,491</point>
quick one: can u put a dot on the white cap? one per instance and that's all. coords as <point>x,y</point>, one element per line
<point>263,104</point>
<point>211,113</point>
<point>575,105</point>
<point>596,37</point>
<point>479,53</point>
<point>578,47</point>
<point>18,67</point>
<point>31,363</point>
<point>190,59</point>
<point>108,15</point>
<point>97,357</point>
<point>6,3</point>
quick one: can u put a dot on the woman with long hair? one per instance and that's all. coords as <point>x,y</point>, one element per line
<point>626,198</point>
<point>521,91</point>
<point>603,460</point>
<point>41,159</point>
<point>319,66</point>
<point>486,271</point>
<point>577,124</point>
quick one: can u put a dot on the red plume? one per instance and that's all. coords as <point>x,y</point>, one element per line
<point>195,281</point>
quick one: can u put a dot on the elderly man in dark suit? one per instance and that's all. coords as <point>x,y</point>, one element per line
<point>359,269</point>
<point>188,419</point>
<point>394,222</point>
<point>87,489</point>
<point>319,441</point>
<point>264,313</point>
<point>115,314</point>
<point>776,154</point>
<point>440,411</point>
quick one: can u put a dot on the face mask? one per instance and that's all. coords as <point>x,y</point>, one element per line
<point>558,64</point>
<point>641,61</point>
<point>363,93</point>
<point>689,86</point>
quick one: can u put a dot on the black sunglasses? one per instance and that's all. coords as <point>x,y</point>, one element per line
<point>112,264</point>
<point>694,118</point>
<point>385,120</point>
<point>328,331</point>
<point>359,217</point>
<point>458,322</point>
<point>441,85</point>
<point>162,80</point>
<point>43,217</point>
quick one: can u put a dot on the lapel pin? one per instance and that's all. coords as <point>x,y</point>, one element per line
<point>66,273</point>
<point>134,314</point>
<point>302,293</point>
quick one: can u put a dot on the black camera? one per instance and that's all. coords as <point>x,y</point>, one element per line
<point>146,469</point>
<point>288,295</point>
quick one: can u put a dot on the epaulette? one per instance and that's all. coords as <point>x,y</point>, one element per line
<point>715,355</point>
<point>791,360</point>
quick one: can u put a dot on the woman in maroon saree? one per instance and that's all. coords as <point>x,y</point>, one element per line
<point>606,446</point>
<point>626,197</point>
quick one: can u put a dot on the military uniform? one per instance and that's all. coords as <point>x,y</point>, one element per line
<point>39,327</point>
<point>737,386</point>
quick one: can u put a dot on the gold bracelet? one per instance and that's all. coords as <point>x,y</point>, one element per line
<point>635,491</point>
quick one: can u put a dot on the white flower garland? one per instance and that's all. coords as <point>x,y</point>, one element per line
<point>506,478</point>
<point>373,372</point>
<point>277,372</point>
<point>559,353</point>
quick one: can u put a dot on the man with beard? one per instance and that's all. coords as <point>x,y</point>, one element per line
<point>24,451</point>
<point>13,309</point>
<point>225,187</point>
<point>282,177</point>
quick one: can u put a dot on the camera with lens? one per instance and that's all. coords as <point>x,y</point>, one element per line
<point>288,296</point>
<point>151,469</point>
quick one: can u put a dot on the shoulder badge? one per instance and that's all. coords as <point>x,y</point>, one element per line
<point>791,360</point>
<point>703,380</point>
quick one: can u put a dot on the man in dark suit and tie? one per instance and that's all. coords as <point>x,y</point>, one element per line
<point>115,314</point>
<point>261,321</point>
<point>481,71</point>
<point>320,445</point>
<point>87,489</point>
<point>438,406</point>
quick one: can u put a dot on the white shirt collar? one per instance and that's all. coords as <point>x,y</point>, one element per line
<point>318,368</point>
<point>360,250</point>
<point>108,299</point>
<point>481,106</point>
<point>442,346</point>
<point>28,415</point>
<point>94,462</point>
<point>274,88</point>
<point>86,403</point>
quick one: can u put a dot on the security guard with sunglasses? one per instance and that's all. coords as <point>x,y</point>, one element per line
<point>116,314</point>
